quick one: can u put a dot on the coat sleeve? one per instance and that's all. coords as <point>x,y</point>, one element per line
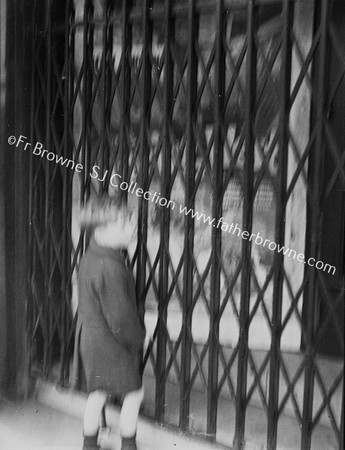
<point>118,303</point>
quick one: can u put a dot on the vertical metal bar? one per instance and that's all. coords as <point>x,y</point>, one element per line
<point>105,89</point>
<point>241,397</point>
<point>188,268</point>
<point>280,228</point>
<point>105,94</point>
<point>314,232</point>
<point>125,87</point>
<point>71,87</point>
<point>165,224</point>
<point>64,175</point>
<point>342,431</point>
<point>12,55</point>
<point>36,207</point>
<point>109,84</point>
<point>66,196</point>
<point>71,73</point>
<point>145,149</point>
<point>14,184</point>
<point>47,357</point>
<point>30,310</point>
<point>217,200</point>
<point>86,150</point>
<point>87,90</point>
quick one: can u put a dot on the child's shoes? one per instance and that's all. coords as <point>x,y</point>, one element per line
<point>128,443</point>
<point>90,443</point>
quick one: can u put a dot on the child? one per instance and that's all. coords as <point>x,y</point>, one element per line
<point>110,334</point>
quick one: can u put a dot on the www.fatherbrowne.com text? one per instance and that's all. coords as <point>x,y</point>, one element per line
<point>235,230</point>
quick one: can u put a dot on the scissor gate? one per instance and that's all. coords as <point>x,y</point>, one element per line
<point>232,110</point>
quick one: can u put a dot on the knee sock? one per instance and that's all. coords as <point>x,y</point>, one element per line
<point>128,443</point>
<point>90,443</point>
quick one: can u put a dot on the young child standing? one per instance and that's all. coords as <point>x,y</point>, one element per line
<point>110,333</point>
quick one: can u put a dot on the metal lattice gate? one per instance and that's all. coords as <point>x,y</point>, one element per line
<point>225,113</point>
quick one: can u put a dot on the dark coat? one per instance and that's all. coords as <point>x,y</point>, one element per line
<point>109,333</point>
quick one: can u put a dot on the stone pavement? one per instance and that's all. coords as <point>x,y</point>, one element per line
<point>53,421</point>
<point>33,425</point>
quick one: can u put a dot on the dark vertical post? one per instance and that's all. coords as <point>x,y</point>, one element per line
<point>144,149</point>
<point>280,227</point>
<point>241,397</point>
<point>188,267</point>
<point>165,223</point>
<point>86,103</point>
<point>217,200</point>
<point>15,112</point>
<point>105,89</point>
<point>314,210</point>
<point>47,354</point>
<point>3,84</point>
<point>342,430</point>
<point>30,303</point>
<point>66,193</point>
<point>125,83</point>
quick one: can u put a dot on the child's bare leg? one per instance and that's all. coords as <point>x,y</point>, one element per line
<point>129,417</point>
<point>92,414</point>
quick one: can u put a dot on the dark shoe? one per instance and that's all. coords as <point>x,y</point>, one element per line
<point>90,443</point>
<point>128,443</point>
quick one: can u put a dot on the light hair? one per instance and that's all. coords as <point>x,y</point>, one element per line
<point>100,211</point>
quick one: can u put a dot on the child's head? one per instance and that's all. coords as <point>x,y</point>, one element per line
<point>113,225</point>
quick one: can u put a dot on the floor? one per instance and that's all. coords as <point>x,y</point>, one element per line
<point>289,433</point>
<point>33,425</point>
